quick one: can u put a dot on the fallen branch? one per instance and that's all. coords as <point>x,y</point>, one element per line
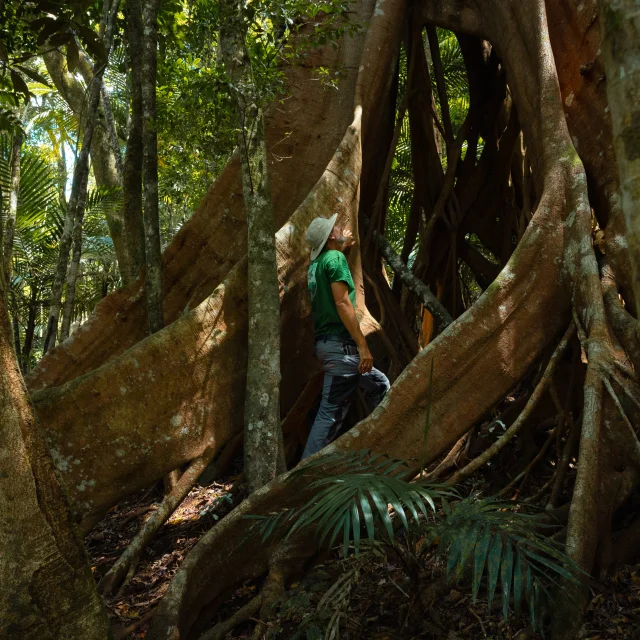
<point>123,570</point>
<point>449,461</point>
<point>507,436</point>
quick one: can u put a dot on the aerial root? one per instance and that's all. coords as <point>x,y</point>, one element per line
<point>563,466</point>
<point>533,401</point>
<point>522,476</point>
<point>123,570</point>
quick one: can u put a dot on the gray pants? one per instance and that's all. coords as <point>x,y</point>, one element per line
<point>340,362</point>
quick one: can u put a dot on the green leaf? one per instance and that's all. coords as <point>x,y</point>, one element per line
<point>73,55</point>
<point>493,565</point>
<point>518,583</point>
<point>19,85</point>
<point>480,557</point>
<point>355,524</point>
<point>506,574</point>
<point>347,534</point>
<point>35,76</point>
<point>367,514</point>
<point>470,536</point>
<point>383,512</point>
<point>453,553</point>
<point>555,567</point>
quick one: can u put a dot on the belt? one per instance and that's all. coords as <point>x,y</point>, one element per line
<point>332,338</point>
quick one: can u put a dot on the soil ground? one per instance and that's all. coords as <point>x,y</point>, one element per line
<point>380,606</point>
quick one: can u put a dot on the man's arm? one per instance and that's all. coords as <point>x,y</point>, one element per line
<point>348,316</point>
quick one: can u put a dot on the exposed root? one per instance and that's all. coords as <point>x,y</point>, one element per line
<point>535,397</point>
<point>449,461</point>
<point>171,480</point>
<point>243,614</point>
<point>124,569</point>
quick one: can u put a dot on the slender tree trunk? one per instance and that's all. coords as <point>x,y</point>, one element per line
<point>153,279</point>
<point>30,330</point>
<point>46,587</point>
<point>263,448</point>
<point>77,199</point>
<point>112,131</point>
<point>72,275</point>
<point>621,57</point>
<point>61,166</point>
<point>132,175</point>
<point>10,223</point>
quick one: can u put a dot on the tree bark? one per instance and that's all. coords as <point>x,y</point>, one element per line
<point>153,258</point>
<point>10,222</point>
<point>112,132</point>
<point>263,445</point>
<point>72,273</point>
<point>61,166</point>
<point>132,172</point>
<point>46,587</point>
<point>29,333</point>
<point>621,57</point>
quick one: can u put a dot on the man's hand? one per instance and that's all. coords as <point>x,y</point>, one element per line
<point>349,240</point>
<point>366,359</point>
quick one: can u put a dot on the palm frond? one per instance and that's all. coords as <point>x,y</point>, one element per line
<point>491,537</point>
<point>360,494</point>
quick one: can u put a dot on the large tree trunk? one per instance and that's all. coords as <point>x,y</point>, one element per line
<point>206,350</point>
<point>483,353</point>
<point>574,29</point>
<point>125,437</point>
<point>46,587</point>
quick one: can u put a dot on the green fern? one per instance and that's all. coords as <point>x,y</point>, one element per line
<point>478,537</point>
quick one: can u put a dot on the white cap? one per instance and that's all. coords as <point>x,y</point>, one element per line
<point>318,233</point>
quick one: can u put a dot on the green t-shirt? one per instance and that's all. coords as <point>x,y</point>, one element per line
<point>330,266</point>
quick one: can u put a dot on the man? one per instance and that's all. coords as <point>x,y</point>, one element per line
<point>339,342</point>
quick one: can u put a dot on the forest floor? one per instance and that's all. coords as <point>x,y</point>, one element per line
<point>378,601</point>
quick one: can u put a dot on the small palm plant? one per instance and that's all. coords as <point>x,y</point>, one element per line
<point>479,538</point>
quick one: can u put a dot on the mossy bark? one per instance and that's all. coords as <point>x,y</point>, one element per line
<point>46,586</point>
<point>263,446</point>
